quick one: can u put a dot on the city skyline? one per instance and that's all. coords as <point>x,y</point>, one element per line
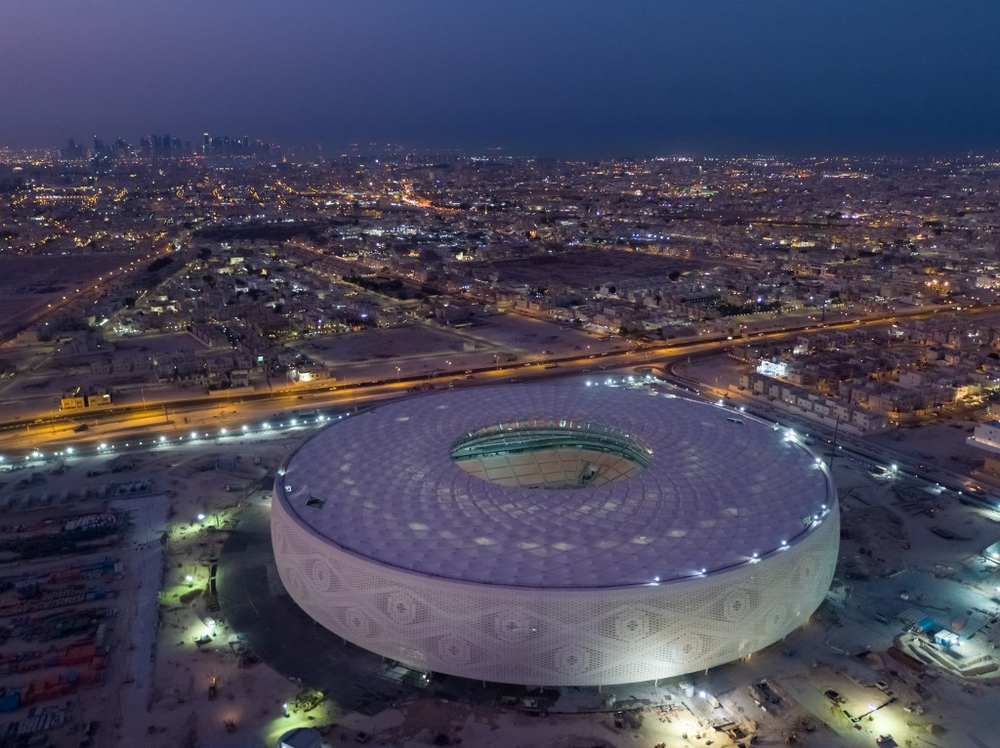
<point>566,81</point>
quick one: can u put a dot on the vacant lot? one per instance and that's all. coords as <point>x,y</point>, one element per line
<point>587,268</point>
<point>27,284</point>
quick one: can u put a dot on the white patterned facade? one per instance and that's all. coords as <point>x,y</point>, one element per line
<point>554,636</point>
<point>722,544</point>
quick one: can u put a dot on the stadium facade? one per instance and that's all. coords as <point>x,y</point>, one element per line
<point>556,535</point>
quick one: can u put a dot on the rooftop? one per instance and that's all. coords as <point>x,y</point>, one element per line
<point>690,488</point>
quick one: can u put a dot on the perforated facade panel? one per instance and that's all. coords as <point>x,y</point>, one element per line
<point>560,636</point>
<point>724,543</point>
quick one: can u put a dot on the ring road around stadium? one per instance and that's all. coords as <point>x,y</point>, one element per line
<point>556,535</point>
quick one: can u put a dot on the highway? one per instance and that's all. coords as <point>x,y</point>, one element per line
<point>209,414</point>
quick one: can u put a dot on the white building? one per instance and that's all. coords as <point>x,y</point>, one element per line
<point>986,438</point>
<point>556,535</point>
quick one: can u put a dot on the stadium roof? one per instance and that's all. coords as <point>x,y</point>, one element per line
<point>718,488</point>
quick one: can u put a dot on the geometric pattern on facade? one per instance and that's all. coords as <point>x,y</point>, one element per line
<point>561,636</point>
<point>719,486</point>
<point>723,544</point>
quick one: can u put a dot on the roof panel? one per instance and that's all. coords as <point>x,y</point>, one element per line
<point>670,520</point>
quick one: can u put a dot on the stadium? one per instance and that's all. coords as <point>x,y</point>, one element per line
<point>555,535</point>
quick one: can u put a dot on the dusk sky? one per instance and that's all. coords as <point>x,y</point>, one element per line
<point>580,78</point>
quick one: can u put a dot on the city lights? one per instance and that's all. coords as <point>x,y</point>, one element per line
<point>736,350</point>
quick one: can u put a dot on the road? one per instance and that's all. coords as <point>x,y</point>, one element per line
<point>149,420</point>
<point>93,291</point>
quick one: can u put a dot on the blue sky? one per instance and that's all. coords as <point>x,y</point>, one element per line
<point>537,77</point>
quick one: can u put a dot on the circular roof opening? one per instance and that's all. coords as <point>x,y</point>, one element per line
<point>551,454</point>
